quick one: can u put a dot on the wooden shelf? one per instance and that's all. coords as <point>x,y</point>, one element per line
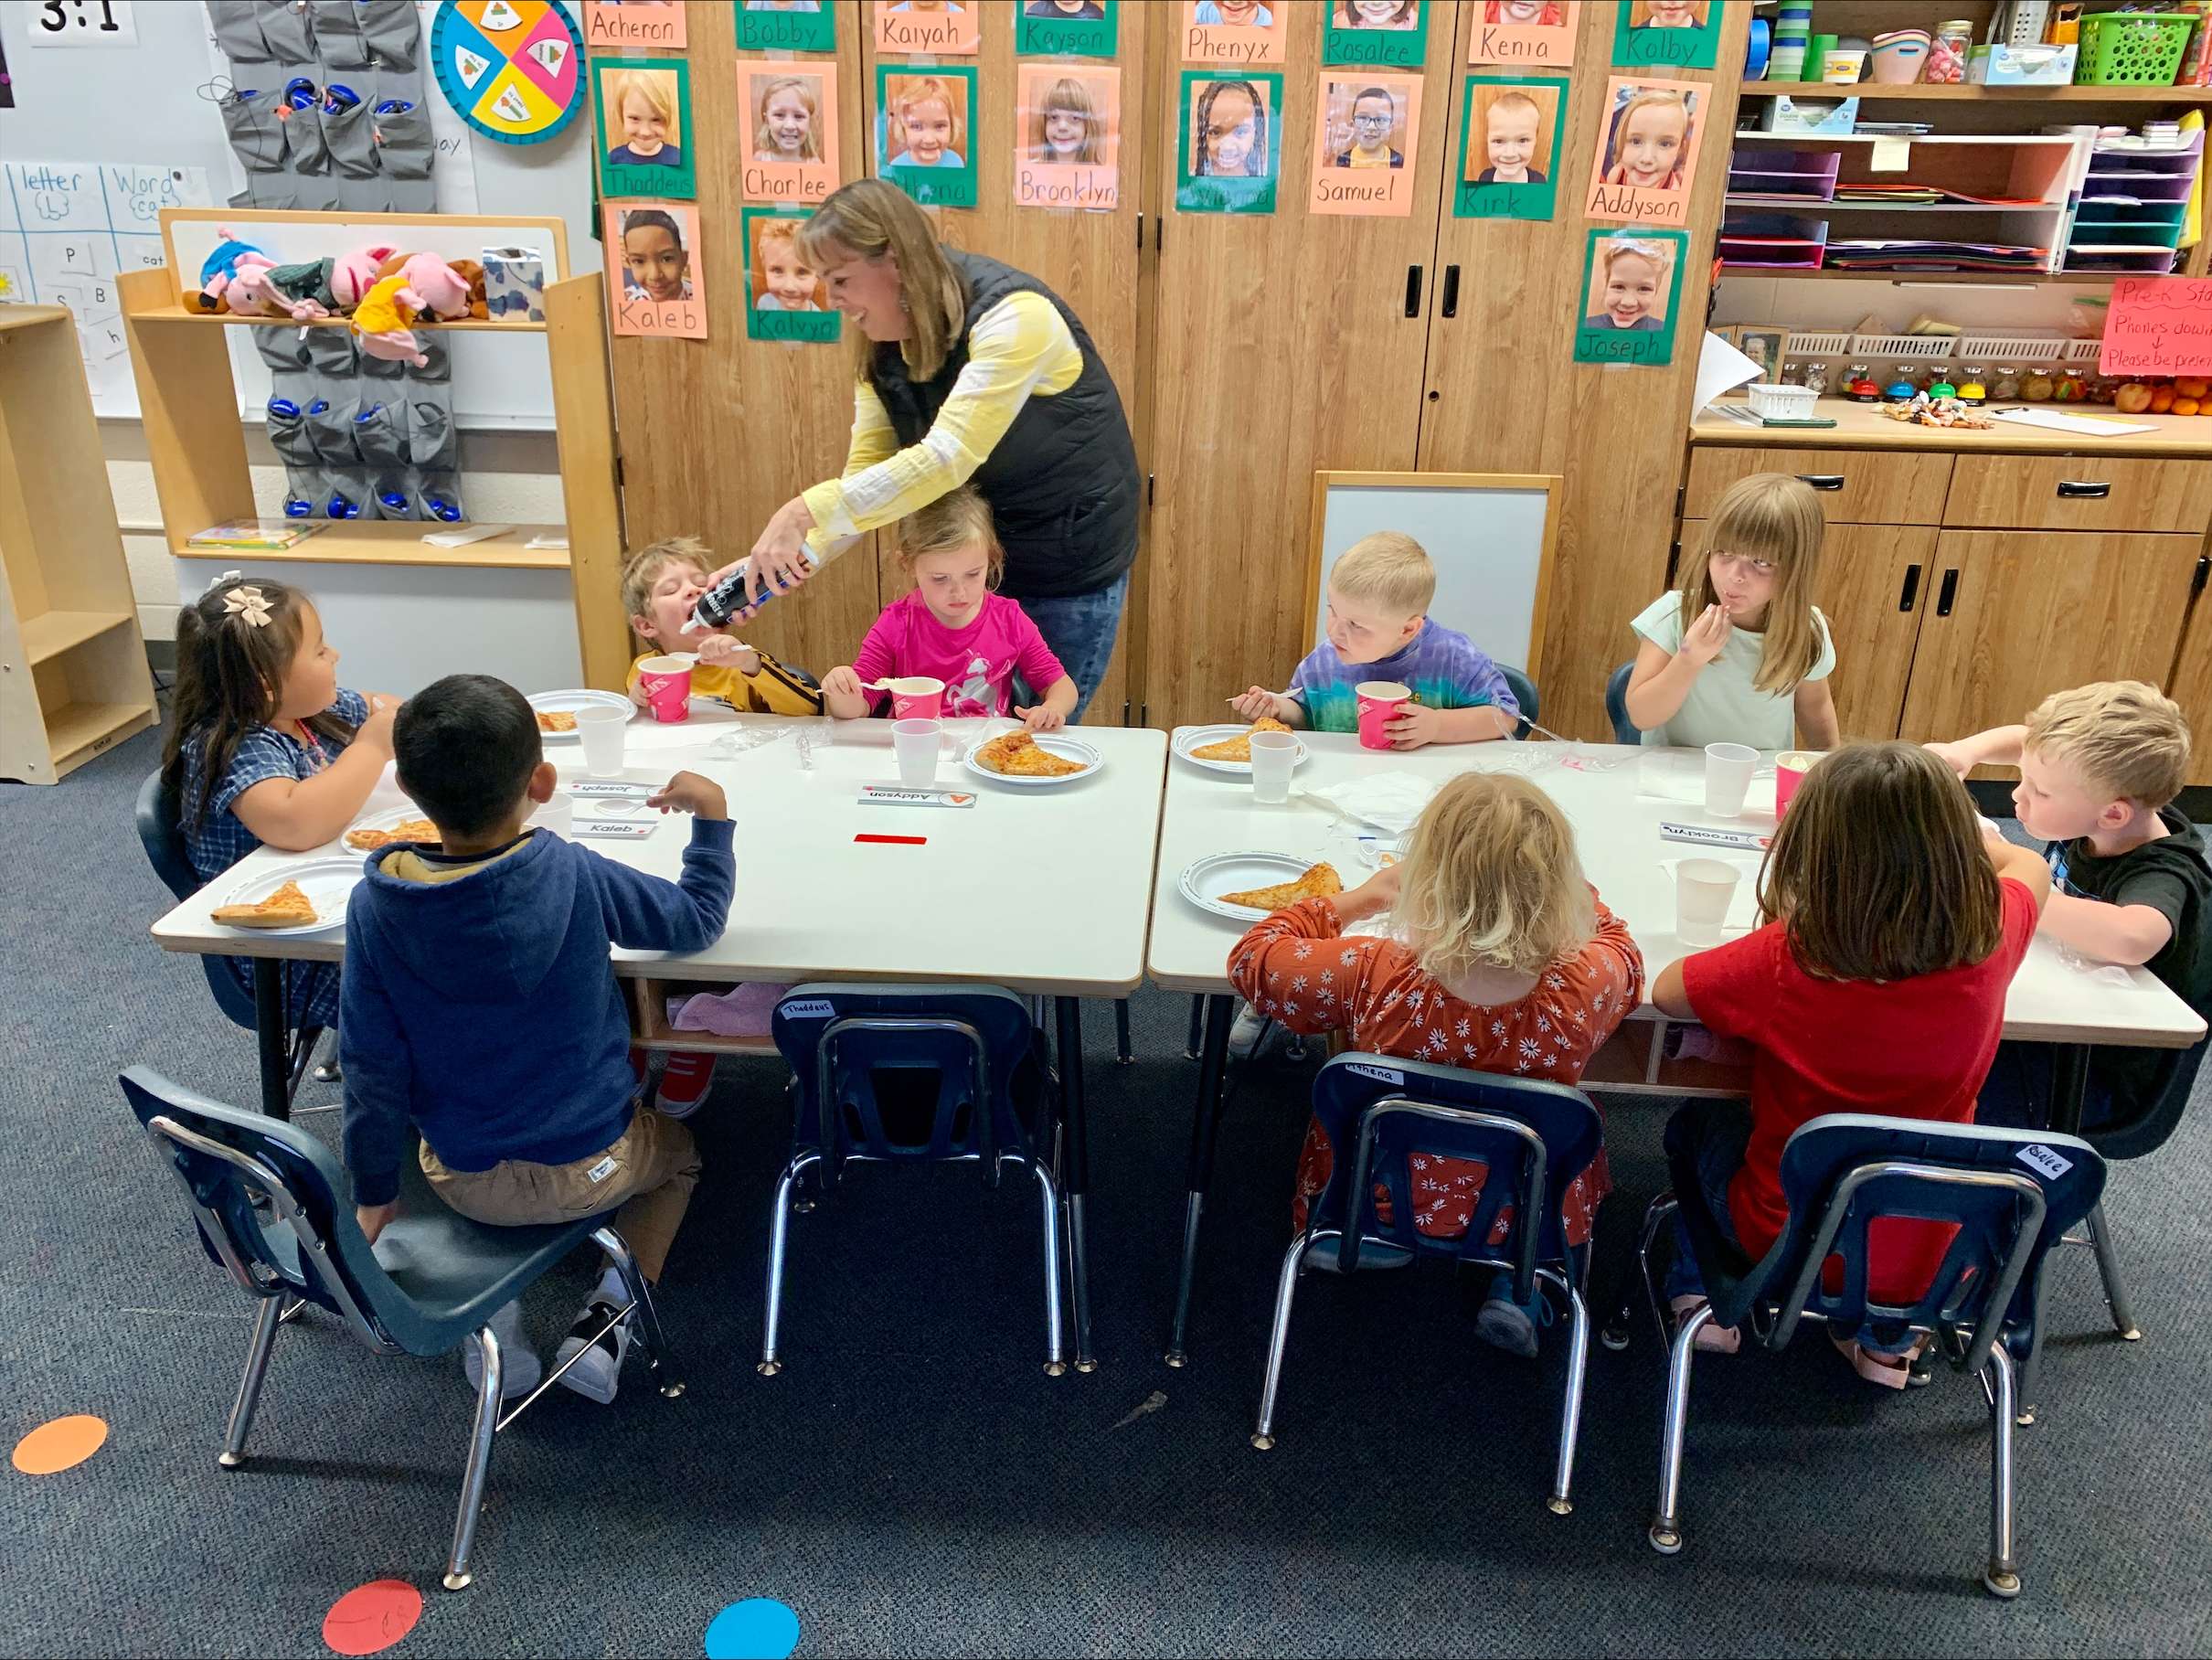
<point>2010,279</point>
<point>397,542</point>
<point>1862,426</point>
<point>1927,92</point>
<point>54,631</point>
<point>177,314</point>
<point>1806,206</point>
<point>76,728</point>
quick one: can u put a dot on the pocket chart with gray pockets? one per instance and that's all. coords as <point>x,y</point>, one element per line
<point>361,437</point>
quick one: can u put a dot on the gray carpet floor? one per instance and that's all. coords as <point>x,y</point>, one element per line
<point>914,1484</point>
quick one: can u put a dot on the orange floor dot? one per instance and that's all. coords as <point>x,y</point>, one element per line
<point>59,1443</point>
<point>370,1618</point>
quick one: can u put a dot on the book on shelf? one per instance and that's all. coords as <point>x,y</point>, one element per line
<point>256,535</point>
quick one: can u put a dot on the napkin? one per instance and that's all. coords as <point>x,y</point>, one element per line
<point>1388,801</point>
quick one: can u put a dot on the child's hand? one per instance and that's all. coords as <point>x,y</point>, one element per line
<point>1415,725</point>
<point>637,695</point>
<point>1707,637</point>
<point>1260,704</point>
<point>1372,898</point>
<point>375,1218</point>
<point>1952,755</point>
<point>1042,720</point>
<point>842,681</point>
<point>719,651</point>
<point>688,792</point>
<point>377,731</point>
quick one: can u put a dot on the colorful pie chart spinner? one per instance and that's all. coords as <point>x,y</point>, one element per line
<point>512,69</point>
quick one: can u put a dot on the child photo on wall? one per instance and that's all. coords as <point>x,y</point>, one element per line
<point>1530,34</point>
<point>1375,34</point>
<point>643,108</point>
<point>786,26</point>
<point>1233,33</point>
<point>1069,123</point>
<point>786,298</point>
<point>1676,34</point>
<point>1509,147</point>
<point>1075,29</point>
<point>613,24</point>
<point>1647,152</point>
<point>1632,288</point>
<point>656,283</point>
<point>919,28</point>
<point>791,122</point>
<point>1364,145</point>
<point>1231,147</point>
<point>924,123</point>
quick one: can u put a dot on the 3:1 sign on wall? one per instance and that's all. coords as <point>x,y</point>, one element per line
<point>83,23</point>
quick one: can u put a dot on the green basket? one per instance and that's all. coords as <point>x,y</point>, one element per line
<point>2132,48</point>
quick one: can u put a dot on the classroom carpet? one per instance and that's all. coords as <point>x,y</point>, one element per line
<point>914,1484</point>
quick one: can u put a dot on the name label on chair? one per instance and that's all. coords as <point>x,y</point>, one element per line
<point>2044,1162</point>
<point>1383,1074</point>
<point>807,1008</point>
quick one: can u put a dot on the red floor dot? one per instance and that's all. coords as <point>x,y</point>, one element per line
<point>370,1618</point>
<point>61,1443</point>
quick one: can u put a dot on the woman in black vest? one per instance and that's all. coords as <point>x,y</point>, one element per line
<point>970,372</point>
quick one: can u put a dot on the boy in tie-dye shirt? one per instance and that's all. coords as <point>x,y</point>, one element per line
<point>1378,628</point>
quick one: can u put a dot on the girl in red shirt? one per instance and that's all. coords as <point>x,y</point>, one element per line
<point>1513,964</point>
<point>1877,985</point>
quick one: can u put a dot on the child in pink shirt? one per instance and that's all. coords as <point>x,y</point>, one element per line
<point>954,627</point>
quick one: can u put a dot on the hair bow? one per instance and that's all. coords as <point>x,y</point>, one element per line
<point>247,601</point>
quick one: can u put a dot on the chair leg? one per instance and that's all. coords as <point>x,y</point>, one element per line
<point>644,1316</point>
<point>1286,1287</point>
<point>1615,1334</point>
<point>1561,1502</point>
<point>2002,1577</point>
<point>2108,1269</point>
<point>265,1326</point>
<point>1122,1053</point>
<point>778,1229</point>
<point>2031,1369</point>
<point>1055,1364</point>
<point>1665,1532</point>
<point>473,1478</point>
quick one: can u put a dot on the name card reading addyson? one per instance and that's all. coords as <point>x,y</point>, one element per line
<point>2159,326</point>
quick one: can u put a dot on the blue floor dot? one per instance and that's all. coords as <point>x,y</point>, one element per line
<point>759,1628</point>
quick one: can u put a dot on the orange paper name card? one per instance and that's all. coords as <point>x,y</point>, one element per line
<point>2159,326</point>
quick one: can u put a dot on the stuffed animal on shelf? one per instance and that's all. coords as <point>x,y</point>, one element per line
<point>382,321</point>
<point>443,289</point>
<point>471,273</point>
<point>354,273</point>
<point>304,290</point>
<point>228,260</point>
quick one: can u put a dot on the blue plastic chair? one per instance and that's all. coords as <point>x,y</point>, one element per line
<point>1616,706</point>
<point>1524,694</point>
<point>2012,1193</point>
<point>163,840</point>
<point>269,1202</point>
<point>909,1074</point>
<point>1535,1137</point>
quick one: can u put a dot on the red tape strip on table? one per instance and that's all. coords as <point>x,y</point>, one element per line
<point>899,841</point>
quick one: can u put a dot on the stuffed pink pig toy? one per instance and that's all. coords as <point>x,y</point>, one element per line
<point>436,287</point>
<point>353,274</point>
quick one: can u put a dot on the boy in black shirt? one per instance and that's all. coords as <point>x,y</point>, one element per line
<point>2099,768</point>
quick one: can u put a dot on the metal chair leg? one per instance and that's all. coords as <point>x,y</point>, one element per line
<point>1561,1502</point>
<point>644,1316</point>
<point>2108,1269</point>
<point>2031,1369</point>
<point>778,1228</point>
<point>457,1575</point>
<point>1286,1287</point>
<point>265,1326</point>
<point>1615,1334</point>
<point>1665,1532</point>
<point>1122,1051</point>
<point>1055,1364</point>
<point>2002,1576</point>
<point>1197,1024</point>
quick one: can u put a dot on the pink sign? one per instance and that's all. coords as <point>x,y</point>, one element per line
<point>2159,326</point>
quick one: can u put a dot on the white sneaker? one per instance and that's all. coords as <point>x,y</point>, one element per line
<point>1249,1033</point>
<point>595,1376</point>
<point>519,1369</point>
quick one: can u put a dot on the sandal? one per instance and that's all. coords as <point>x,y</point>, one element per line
<point>1889,1371</point>
<point>1713,1340</point>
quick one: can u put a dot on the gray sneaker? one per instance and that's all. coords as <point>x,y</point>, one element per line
<point>595,1376</point>
<point>1250,1033</point>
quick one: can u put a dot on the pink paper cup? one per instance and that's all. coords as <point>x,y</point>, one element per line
<point>1789,769</point>
<point>1379,702</point>
<point>667,682</point>
<point>916,697</point>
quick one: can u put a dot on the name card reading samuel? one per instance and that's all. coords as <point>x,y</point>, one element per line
<point>2159,326</point>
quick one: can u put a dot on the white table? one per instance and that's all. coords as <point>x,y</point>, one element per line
<point>1602,789</point>
<point>1040,890</point>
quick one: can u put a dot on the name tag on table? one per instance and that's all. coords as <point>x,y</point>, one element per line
<point>898,796</point>
<point>600,786</point>
<point>613,829</point>
<point>1751,840</point>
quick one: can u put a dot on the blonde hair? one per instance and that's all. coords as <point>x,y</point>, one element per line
<point>2120,735</point>
<point>1512,98</point>
<point>1389,567</point>
<point>779,231</point>
<point>1491,879</point>
<point>657,87</point>
<point>1620,248</point>
<point>910,92</point>
<point>1071,96</point>
<point>765,141</point>
<point>955,521</point>
<point>877,221</point>
<point>1878,871</point>
<point>1775,517</point>
<point>1647,100</point>
<point>644,567</point>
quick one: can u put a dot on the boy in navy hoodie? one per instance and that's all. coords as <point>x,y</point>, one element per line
<point>478,1005</point>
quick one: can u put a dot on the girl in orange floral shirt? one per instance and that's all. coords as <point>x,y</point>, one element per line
<point>1513,966</point>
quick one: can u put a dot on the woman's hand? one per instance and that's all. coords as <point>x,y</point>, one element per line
<point>1707,637</point>
<point>779,560</point>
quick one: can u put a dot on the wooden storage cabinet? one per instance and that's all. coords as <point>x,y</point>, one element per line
<point>2080,492</point>
<point>1855,486</point>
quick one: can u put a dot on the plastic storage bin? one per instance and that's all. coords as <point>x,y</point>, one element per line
<point>2132,48</point>
<point>1780,402</point>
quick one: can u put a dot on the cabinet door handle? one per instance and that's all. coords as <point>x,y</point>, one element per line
<point>1949,593</point>
<point>1911,589</point>
<point>2083,489</point>
<point>1822,480</point>
<point>1413,290</point>
<point>1452,290</point>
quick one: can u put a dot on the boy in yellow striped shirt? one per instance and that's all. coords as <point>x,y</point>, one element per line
<point>661,584</point>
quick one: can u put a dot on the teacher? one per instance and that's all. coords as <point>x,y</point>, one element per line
<point>970,372</point>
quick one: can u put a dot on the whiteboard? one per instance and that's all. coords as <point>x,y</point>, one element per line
<point>1489,536</point>
<point>70,108</point>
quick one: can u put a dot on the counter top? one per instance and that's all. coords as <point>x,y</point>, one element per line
<point>1863,426</point>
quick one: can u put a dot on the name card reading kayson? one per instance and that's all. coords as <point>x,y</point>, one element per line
<point>2158,325</point>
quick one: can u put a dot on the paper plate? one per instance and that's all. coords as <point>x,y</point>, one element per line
<point>1197,738</point>
<point>579,697</point>
<point>1219,873</point>
<point>328,883</point>
<point>390,819</point>
<point>1065,747</point>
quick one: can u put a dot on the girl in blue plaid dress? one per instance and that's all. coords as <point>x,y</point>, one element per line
<point>264,747</point>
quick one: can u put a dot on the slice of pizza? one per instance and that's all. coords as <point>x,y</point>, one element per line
<point>366,840</point>
<point>1019,755</point>
<point>1316,882</point>
<point>286,908</point>
<point>557,721</point>
<point>1239,748</point>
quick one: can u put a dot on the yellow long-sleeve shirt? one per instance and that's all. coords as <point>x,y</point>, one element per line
<point>1019,348</point>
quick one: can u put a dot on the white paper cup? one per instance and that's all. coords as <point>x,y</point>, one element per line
<point>1273,755</point>
<point>1703,890</point>
<point>602,729</point>
<point>917,744</point>
<point>557,813</point>
<point>1727,776</point>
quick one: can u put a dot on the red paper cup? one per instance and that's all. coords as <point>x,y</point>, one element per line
<point>1379,701</point>
<point>916,697</point>
<point>667,686</point>
<point>1789,769</point>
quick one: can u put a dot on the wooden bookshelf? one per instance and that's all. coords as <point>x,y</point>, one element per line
<point>177,314</point>
<point>1935,93</point>
<point>398,542</point>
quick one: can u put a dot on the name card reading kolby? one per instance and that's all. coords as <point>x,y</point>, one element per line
<point>2158,325</point>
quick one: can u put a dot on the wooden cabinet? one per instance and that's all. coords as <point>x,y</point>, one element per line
<point>1855,486</point>
<point>2080,492</point>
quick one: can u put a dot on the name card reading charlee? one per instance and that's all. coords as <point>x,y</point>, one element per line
<point>2158,325</point>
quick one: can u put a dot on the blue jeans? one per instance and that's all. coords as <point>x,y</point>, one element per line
<point>1081,630</point>
<point>2021,1091</point>
<point>1719,1157</point>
